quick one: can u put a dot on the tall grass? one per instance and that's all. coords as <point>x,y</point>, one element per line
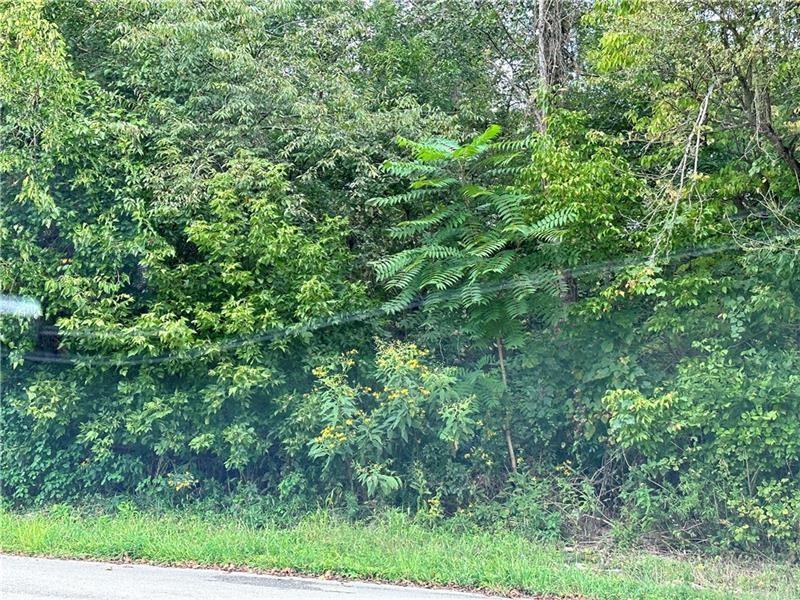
<point>392,548</point>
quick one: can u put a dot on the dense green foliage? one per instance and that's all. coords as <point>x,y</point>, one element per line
<point>448,257</point>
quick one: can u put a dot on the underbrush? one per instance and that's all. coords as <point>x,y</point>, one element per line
<point>706,463</point>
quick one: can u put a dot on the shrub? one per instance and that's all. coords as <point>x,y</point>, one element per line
<point>715,454</point>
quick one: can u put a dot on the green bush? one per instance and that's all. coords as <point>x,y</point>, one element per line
<point>715,454</point>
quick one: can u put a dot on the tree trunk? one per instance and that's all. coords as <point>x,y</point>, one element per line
<point>759,114</point>
<point>552,31</point>
<point>512,455</point>
<point>785,152</point>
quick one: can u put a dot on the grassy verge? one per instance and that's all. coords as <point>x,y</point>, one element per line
<point>391,548</point>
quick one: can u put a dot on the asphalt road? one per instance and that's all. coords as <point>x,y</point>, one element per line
<point>47,579</point>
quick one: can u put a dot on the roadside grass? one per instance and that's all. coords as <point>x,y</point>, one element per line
<point>391,548</point>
